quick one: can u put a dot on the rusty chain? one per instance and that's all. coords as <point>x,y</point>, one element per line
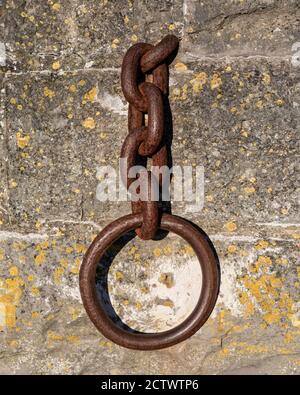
<point>145,83</point>
<point>147,141</point>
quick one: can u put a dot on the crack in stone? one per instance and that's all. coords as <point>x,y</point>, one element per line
<point>6,150</point>
<point>6,235</point>
<point>63,72</point>
<point>257,364</point>
<point>65,221</point>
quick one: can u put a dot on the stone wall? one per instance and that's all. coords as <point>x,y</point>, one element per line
<point>235,96</point>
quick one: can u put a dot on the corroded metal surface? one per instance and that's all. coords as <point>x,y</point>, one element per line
<point>97,310</point>
<point>151,99</point>
<point>145,220</point>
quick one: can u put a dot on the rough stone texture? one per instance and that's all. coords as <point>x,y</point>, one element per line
<point>235,96</point>
<point>242,27</point>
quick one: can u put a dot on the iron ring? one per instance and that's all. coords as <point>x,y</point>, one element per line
<point>150,341</point>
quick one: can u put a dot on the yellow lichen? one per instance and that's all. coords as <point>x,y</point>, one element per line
<point>53,336</point>
<point>72,88</point>
<point>22,140</point>
<point>215,82</point>
<point>35,315</point>
<point>168,303</point>
<point>167,279</point>
<point>188,250</point>
<point>245,348</point>
<point>176,92</point>
<point>43,246</point>
<point>266,78</point>
<point>35,291</point>
<point>272,317</point>
<point>266,290</point>
<point>75,268</point>
<point>89,123</point>
<point>73,339</point>
<point>57,274</point>
<point>115,43</point>
<point>30,277</point>
<point>107,344</point>
<point>69,250</point>
<point>262,244</point>
<point>10,295</point>
<point>63,262</point>
<point>232,249</point>
<point>157,252</point>
<point>276,282</point>
<point>246,301</point>
<point>180,67</point>
<point>40,258</point>
<point>279,102</point>
<point>48,92</point>
<point>80,248</point>
<point>230,226</point>
<point>119,276</point>
<point>73,313</point>
<point>13,343</point>
<point>198,82</point>
<point>13,271</point>
<point>167,250</point>
<point>13,184</point>
<point>249,190</point>
<point>184,92</point>
<point>56,65</point>
<point>132,250</point>
<point>56,6</point>
<point>90,95</point>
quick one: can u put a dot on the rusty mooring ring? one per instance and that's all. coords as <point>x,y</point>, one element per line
<point>149,341</point>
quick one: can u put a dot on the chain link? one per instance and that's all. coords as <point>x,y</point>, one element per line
<point>146,95</point>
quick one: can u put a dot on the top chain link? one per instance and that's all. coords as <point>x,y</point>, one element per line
<point>146,95</point>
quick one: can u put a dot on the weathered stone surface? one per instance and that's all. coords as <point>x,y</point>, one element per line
<point>47,330</point>
<point>3,157</point>
<point>69,124</point>
<point>243,28</point>
<point>82,34</point>
<point>65,129</point>
<point>238,119</point>
<point>41,35</point>
<point>235,99</point>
